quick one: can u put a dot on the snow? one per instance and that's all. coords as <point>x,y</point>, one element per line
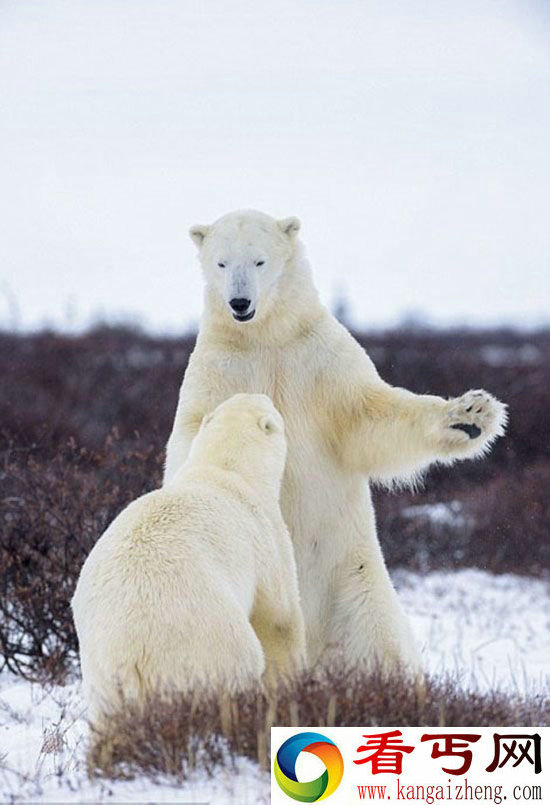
<point>449,514</point>
<point>487,631</point>
<point>496,355</point>
<point>42,757</point>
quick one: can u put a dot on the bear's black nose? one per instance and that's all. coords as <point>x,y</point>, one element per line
<point>240,305</point>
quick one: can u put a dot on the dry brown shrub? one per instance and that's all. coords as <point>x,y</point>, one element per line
<point>173,735</point>
<point>53,512</point>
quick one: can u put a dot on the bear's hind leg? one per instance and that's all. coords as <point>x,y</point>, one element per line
<point>211,654</point>
<point>369,626</point>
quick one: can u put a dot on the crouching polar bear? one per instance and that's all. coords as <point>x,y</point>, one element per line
<point>264,330</point>
<point>194,586</point>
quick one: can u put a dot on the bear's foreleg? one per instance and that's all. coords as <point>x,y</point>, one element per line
<point>278,620</point>
<point>283,643</point>
<point>394,434</point>
<point>186,426</point>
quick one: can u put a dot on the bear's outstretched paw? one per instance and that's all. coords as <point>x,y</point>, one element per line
<point>473,422</point>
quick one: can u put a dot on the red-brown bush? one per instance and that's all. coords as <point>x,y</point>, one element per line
<point>174,734</point>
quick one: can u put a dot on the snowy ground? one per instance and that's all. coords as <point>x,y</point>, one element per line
<point>490,631</point>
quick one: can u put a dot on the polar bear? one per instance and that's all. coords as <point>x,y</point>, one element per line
<point>265,330</point>
<point>194,585</point>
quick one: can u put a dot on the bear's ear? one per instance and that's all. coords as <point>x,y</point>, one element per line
<point>268,424</point>
<point>206,419</point>
<point>198,234</point>
<point>289,226</point>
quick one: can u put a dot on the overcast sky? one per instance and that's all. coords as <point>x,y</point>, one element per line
<point>411,138</point>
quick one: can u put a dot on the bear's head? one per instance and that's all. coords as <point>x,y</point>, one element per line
<point>246,434</point>
<point>243,256</point>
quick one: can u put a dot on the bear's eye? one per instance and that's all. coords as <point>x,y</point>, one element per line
<point>260,263</point>
<point>221,265</point>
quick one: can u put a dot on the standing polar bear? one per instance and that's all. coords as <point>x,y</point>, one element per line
<point>265,330</point>
<point>194,586</point>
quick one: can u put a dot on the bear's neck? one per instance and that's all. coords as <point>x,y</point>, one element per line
<point>230,471</point>
<point>292,314</point>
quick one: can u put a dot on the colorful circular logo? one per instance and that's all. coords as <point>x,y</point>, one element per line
<point>326,750</point>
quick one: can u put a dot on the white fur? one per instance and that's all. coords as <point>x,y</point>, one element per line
<point>344,425</point>
<point>246,257</point>
<point>194,585</point>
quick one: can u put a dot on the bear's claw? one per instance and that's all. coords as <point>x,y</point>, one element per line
<point>477,417</point>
